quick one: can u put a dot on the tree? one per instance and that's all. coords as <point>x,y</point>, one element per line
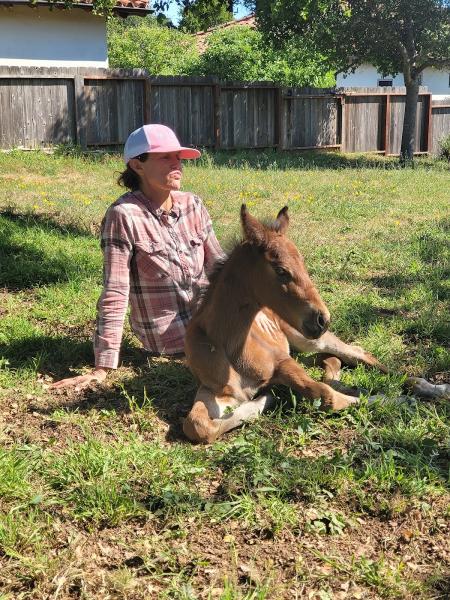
<point>203,14</point>
<point>227,6</point>
<point>404,36</point>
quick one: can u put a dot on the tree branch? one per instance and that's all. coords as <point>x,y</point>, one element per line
<point>434,62</point>
<point>354,63</point>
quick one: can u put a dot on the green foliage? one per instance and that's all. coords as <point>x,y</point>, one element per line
<point>203,14</point>
<point>238,54</point>
<point>396,36</point>
<point>146,45</point>
<point>100,7</point>
<point>386,34</point>
<point>241,54</point>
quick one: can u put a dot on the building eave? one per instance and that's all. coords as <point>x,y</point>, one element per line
<point>122,11</point>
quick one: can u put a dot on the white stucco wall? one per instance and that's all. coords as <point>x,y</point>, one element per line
<point>40,37</point>
<point>368,76</point>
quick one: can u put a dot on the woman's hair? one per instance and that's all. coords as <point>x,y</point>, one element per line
<point>129,178</point>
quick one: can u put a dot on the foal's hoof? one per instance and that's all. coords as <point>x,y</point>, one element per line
<point>421,387</point>
<point>340,401</point>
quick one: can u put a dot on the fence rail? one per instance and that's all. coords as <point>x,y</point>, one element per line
<point>100,107</point>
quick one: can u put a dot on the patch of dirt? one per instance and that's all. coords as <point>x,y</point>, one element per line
<point>141,560</point>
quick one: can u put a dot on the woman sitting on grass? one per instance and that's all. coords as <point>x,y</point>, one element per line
<point>157,242</point>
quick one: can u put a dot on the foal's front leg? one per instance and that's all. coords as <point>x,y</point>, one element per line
<point>290,373</point>
<point>351,355</point>
<point>328,343</point>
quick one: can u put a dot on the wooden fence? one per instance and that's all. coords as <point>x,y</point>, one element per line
<point>100,107</point>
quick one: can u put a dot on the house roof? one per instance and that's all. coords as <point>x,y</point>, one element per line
<point>122,8</point>
<point>201,36</point>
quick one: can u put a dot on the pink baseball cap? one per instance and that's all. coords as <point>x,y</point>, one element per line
<point>155,138</point>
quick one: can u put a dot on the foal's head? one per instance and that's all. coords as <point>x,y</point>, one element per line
<point>279,277</point>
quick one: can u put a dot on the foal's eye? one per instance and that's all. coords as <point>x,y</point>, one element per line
<point>283,275</point>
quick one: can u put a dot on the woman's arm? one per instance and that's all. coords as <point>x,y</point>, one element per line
<point>113,302</point>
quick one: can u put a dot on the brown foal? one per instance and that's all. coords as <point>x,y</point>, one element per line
<point>234,354</point>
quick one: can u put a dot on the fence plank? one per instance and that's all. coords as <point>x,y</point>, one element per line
<point>440,124</point>
<point>310,120</point>
<point>36,112</point>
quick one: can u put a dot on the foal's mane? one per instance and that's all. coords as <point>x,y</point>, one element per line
<point>214,274</point>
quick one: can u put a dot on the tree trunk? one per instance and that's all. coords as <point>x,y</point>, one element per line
<point>409,123</point>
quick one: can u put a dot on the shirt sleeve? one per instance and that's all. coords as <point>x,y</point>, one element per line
<point>212,248</point>
<point>112,305</point>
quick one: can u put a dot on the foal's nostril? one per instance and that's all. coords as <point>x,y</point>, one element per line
<point>321,321</point>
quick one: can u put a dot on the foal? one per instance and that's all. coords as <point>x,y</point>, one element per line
<point>234,357</point>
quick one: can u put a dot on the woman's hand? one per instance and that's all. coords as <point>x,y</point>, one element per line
<point>81,381</point>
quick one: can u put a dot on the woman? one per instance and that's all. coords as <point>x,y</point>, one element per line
<point>156,243</point>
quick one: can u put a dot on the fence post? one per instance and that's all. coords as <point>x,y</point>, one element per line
<point>147,101</point>
<point>429,124</point>
<point>217,116</point>
<point>343,141</point>
<point>279,119</point>
<point>387,125</point>
<point>80,110</point>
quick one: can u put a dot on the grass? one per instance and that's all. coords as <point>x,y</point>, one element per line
<point>100,495</point>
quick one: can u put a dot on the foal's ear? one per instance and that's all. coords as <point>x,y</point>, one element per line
<point>283,219</point>
<point>254,231</point>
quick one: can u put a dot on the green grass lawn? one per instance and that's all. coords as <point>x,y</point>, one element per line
<point>100,495</point>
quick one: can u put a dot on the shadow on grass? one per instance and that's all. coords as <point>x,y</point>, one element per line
<point>46,223</point>
<point>26,263</point>
<point>47,354</point>
<point>162,384</point>
<point>440,587</point>
<point>431,280</point>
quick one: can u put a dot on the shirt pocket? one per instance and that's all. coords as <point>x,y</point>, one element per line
<point>152,260</point>
<point>197,255</point>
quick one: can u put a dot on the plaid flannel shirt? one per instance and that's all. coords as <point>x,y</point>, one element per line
<point>155,261</point>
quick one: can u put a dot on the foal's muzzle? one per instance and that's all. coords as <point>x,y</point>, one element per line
<point>316,325</point>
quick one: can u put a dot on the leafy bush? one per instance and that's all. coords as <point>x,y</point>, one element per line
<point>146,45</point>
<point>241,54</point>
<point>237,53</point>
<point>445,147</point>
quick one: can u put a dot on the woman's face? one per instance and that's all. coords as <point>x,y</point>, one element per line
<point>160,171</point>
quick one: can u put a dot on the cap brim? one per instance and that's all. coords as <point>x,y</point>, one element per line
<point>185,153</point>
<point>190,153</point>
<point>181,150</point>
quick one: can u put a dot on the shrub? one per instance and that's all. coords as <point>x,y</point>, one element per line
<point>147,45</point>
<point>241,54</point>
<point>237,53</point>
